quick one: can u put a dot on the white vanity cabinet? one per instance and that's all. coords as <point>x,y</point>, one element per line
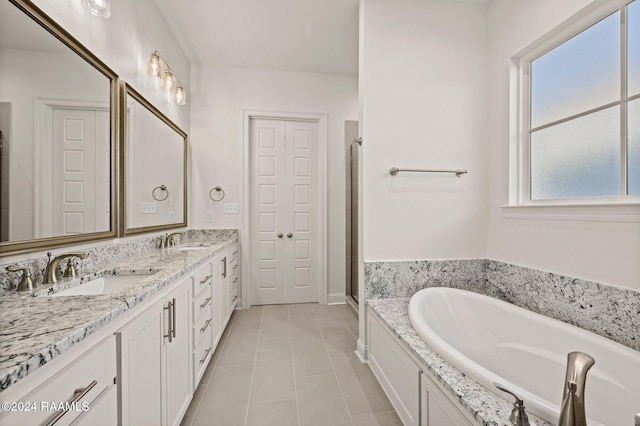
<point>227,276</point>
<point>206,325</point>
<point>154,363</point>
<point>87,388</point>
<point>417,398</point>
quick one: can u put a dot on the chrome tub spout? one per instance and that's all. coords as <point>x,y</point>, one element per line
<point>572,410</point>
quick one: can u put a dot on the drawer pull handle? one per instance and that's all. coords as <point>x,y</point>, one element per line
<point>205,279</point>
<point>78,394</point>
<point>206,324</point>
<point>234,298</point>
<point>235,266</point>
<point>234,253</point>
<point>206,354</point>
<point>235,280</point>
<point>206,302</point>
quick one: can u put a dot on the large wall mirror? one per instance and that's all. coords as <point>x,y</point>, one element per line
<point>57,130</point>
<point>154,167</point>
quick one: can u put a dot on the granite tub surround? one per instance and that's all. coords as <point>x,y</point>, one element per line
<point>404,278</point>
<point>486,407</point>
<point>610,311</point>
<point>37,328</point>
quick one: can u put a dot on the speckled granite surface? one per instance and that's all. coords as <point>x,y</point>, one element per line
<point>612,312</point>
<point>56,323</point>
<point>484,406</point>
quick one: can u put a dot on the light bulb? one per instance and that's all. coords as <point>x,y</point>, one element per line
<point>167,80</point>
<point>179,96</point>
<point>101,8</point>
<point>154,67</point>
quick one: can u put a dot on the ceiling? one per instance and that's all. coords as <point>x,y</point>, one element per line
<point>297,35</point>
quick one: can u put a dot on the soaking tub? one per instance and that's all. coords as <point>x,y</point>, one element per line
<point>493,341</point>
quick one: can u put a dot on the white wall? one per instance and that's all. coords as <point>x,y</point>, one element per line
<point>423,105</point>
<point>602,251</point>
<point>220,95</point>
<point>124,42</point>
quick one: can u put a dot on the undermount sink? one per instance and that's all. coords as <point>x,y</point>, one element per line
<point>191,248</point>
<point>108,284</point>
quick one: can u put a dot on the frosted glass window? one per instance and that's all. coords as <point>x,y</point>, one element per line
<point>634,147</point>
<point>633,37</point>
<point>578,158</point>
<point>578,75</point>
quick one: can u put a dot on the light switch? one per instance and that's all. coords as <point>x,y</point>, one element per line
<point>209,215</point>
<point>231,208</point>
<point>171,217</point>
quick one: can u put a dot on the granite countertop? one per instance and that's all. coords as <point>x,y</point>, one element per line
<point>37,328</point>
<point>483,405</point>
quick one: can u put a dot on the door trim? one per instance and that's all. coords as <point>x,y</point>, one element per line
<point>245,211</point>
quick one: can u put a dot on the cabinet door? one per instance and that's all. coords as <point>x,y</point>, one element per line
<point>437,409</point>
<point>141,347</point>
<point>224,290</point>
<point>178,355</point>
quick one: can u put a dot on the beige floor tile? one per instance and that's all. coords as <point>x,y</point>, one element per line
<point>301,307</point>
<point>273,377</point>
<point>225,400</point>
<point>303,330</point>
<point>275,413</point>
<point>353,326</point>
<point>326,314</point>
<point>345,312</point>
<point>247,319</point>
<point>377,419</point>
<point>360,388</point>
<point>310,357</point>
<point>240,348</point>
<point>274,336</point>
<point>277,314</point>
<point>338,339</point>
<point>320,402</point>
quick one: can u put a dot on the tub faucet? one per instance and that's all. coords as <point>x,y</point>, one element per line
<point>51,273</point>
<point>518,414</point>
<point>572,410</point>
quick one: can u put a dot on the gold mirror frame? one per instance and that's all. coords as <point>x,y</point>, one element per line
<point>125,91</point>
<point>15,247</point>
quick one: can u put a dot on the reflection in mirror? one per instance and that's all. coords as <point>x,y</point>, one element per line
<point>154,167</point>
<point>56,134</point>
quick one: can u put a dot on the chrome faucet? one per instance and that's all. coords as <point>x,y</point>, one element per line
<point>518,414</point>
<point>171,239</point>
<point>572,410</point>
<point>51,273</point>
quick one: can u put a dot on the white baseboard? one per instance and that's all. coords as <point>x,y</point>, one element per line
<point>361,351</point>
<point>336,299</point>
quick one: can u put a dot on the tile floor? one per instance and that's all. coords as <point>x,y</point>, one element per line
<point>289,365</point>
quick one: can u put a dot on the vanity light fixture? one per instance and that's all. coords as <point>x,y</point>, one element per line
<point>157,66</point>
<point>101,8</point>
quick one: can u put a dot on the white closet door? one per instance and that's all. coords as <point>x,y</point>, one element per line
<point>282,216</point>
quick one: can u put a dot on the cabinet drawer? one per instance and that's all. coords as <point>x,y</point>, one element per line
<point>103,411</point>
<point>202,328</point>
<point>234,252</point>
<point>82,382</point>
<point>201,357</point>
<point>202,280</point>
<point>233,266</point>
<point>202,303</point>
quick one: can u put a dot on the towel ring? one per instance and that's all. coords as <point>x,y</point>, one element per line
<point>217,189</point>
<point>163,189</point>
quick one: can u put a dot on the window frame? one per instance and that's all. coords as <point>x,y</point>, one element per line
<point>520,115</point>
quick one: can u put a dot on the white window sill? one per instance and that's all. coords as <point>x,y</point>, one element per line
<point>575,212</point>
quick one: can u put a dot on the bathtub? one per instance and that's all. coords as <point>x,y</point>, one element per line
<point>494,341</point>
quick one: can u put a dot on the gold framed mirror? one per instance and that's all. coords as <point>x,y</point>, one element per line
<point>153,171</point>
<point>58,114</point>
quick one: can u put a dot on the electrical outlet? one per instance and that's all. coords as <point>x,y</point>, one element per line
<point>171,217</point>
<point>148,208</point>
<point>230,208</point>
<point>209,215</point>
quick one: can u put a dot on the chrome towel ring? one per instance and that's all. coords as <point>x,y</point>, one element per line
<point>163,194</point>
<point>220,192</point>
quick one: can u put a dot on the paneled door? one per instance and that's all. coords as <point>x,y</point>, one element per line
<point>80,170</point>
<point>284,245</point>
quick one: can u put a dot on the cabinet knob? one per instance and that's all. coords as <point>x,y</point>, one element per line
<point>289,235</point>
<point>280,235</point>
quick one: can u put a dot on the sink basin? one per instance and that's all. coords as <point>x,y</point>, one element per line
<point>108,284</point>
<point>192,248</point>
